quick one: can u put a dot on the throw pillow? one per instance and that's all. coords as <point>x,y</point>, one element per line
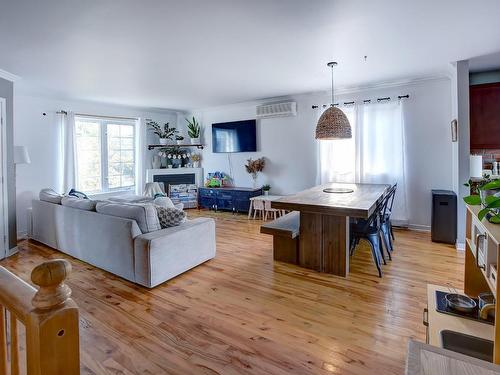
<point>170,217</point>
<point>165,202</point>
<point>77,194</point>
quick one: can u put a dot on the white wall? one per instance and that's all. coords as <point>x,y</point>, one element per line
<point>290,148</point>
<point>41,135</point>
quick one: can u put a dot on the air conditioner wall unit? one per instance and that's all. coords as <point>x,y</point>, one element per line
<point>277,110</point>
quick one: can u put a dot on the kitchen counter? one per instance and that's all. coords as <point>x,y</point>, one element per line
<point>440,321</point>
<point>424,359</point>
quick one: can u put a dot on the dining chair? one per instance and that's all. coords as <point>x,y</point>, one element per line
<point>270,210</point>
<point>370,231</point>
<point>258,206</point>
<point>386,224</point>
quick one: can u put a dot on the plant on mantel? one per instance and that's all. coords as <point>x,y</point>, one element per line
<point>194,130</point>
<point>488,199</point>
<point>165,133</point>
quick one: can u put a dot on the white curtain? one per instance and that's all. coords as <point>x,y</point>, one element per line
<point>337,158</point>
<point>69,172</point>
<point>375,154</point>
<point>140,155</point>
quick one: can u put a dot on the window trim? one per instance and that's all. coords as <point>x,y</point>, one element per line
<point>104,122</point>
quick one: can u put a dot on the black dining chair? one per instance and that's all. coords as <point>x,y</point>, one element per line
<point>370,230</point>
<point>386,224</point>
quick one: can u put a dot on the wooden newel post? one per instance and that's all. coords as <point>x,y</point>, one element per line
<point>52,333</point>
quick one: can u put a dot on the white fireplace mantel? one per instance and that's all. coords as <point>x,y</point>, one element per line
<point>198,172</point>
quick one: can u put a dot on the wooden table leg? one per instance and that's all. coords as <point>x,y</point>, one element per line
<point>324,243</point>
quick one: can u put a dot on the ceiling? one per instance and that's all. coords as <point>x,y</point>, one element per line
<point>485,63</point>
<point>197,53</point>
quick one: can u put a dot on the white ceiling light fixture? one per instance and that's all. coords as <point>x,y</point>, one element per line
<point>333,123</point>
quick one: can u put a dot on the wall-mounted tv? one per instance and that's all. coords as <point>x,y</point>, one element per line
<point>236,136</point>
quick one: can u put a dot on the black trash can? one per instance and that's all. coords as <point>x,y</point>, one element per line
<point>444,216</point>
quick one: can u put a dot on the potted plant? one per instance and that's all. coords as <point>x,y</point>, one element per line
<point>488,198</point>
<point>266,189</point>
<point>195,158</point>
<point>165,133</point>
<point>254,167</point>
<point>179,139</point>
<point>194,130</point>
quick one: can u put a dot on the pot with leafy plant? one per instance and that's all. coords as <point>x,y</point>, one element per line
<point>179,139</point>
<point>254,167</point>
<point>488,199</point>
<point>166,133</point>
<point>266,189</point>
<point>194,130</point>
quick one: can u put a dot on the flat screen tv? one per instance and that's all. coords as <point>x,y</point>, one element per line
<point>237,136</point>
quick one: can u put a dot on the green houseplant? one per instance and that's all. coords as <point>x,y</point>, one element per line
<point>488,199</point>
<point>194,130</point>
<point>166,133</point>
<point>179,139</point>
<point>266,189</point>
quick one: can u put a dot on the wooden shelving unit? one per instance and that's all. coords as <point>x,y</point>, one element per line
<point>478,273</point>
<point>198,146</point>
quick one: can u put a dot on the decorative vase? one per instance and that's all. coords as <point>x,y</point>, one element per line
<point>163,141</point>
<point>195,141</point>
<point>266,192</point>
<point>254,179</point>
<point>156,162</point>
<point>196,164</point>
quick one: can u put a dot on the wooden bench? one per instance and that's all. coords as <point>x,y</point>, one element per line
<point>285,232</point>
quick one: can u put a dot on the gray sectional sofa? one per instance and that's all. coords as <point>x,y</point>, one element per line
<point>123,238</point>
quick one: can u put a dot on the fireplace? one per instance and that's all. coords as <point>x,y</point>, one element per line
<point>175,176</point>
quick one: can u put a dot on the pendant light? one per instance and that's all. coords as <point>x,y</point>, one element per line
<point>333,123</point>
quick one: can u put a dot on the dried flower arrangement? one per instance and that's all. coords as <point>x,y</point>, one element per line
<point>254,167</point>
<point>195,157</point>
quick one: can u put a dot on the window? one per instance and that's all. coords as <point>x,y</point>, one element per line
<point>374,154</point>
<point>105,154</point>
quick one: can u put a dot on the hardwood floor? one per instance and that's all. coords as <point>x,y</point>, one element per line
<point>243,313</point>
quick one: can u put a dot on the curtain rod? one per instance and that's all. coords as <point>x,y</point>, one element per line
<point>315,106</point>
<point>61,112</point>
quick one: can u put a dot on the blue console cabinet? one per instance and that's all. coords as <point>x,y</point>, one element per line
<point>228,199</point>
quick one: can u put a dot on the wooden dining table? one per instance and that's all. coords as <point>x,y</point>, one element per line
<point>324,222</point>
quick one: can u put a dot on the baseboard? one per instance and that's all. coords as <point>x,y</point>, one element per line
<point>460,246</point>
<point>12,251</point>
<point>421,228</point>
<point>22,235</point>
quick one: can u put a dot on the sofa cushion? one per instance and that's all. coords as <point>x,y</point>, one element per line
<point>79,203</point>
<point>170,217</point>
<point>144,214</point>
<point>131,199</point>
<point>49,195</point>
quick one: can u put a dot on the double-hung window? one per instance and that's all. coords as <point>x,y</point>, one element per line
<point>105,154</point>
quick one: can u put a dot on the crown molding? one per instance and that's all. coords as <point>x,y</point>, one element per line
<point>391,84</point>
<point>8,76</point>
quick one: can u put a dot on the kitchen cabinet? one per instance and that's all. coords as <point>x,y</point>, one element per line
<point>485,116</point>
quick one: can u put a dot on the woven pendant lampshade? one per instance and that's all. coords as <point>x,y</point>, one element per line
<point>333,123</point>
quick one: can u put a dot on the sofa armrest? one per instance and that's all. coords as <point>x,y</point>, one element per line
<point>166,253</point>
